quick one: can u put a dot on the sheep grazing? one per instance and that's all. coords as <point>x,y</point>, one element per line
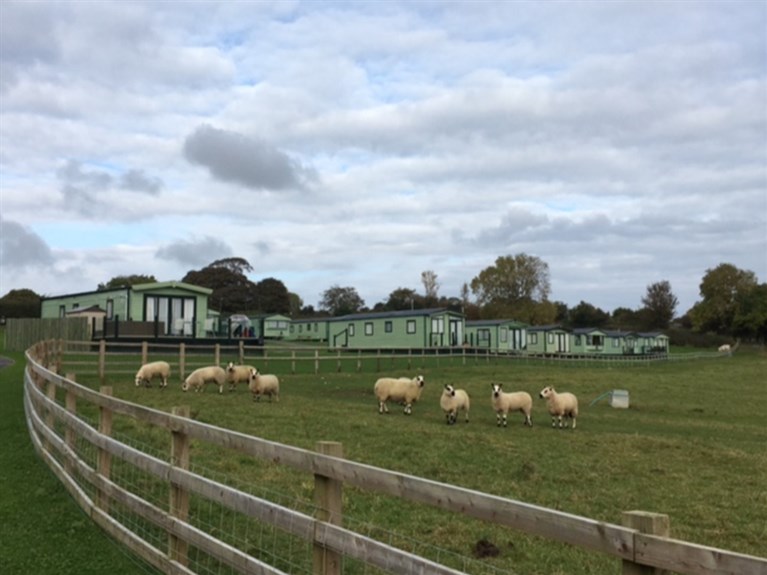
<point>725,348</point>
<point>264,384</point>
<point>561,405</point>
<point>452,401</point>
<point>402,390</point>
<point>199,377</point>
<point>237,374</point>
<point>503,402</point>
<point>154,369</point>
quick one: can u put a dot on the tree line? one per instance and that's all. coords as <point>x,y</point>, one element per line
<point>733,302</point>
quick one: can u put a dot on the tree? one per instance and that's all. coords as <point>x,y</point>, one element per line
<point>750,319</point>
<point>296,304</point>
<point>20,303</point>
<point>625,319</point>
<point>272,296</point>
<point>587,315</point>
<point>126,281</point>
<point>341,300</point>
<point>515,287</point>
<point>721,289</point>
<point>659,305</point>
<point>430,286</point>
<point>403,298</point>
<point>232,291</point>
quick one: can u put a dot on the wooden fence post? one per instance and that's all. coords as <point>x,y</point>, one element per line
<point>144,352</point>
<point>328,500</point>
<point>179,498</point>
<point>316,362</point>
<point>217,354</point>
<point>181,361</point>
<point>338,361</point>
<point>359,360</point>
<point>651,524</point>
<point>242,351</point>
<point>70,402</point>
<point>102,361</point>
<point>104,457</point>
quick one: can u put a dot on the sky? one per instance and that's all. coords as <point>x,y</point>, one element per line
<point>359,144</point>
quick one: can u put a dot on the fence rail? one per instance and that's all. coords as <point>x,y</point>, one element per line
<point>85,454</point>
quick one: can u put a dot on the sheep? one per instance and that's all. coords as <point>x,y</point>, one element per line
<point>725,348</point>
<point>504,402</point>
<point>237,374</point>
<point>402,390</point>
<point>199,377</point>
<point>560,405</point>
<point>148,371</point>
<point>452,401</point>
<point>264,384</point>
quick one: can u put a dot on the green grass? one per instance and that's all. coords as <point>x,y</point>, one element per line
<point>43,531</point>
<point>692,445</point>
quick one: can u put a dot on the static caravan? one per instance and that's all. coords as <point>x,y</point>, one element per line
<point>548,339</point>
<point>504,335</point>
<point>308,329</point>
<point>652,342</point>
<point>420,328</point>
<point>175,308</point>
<point>588,341</point>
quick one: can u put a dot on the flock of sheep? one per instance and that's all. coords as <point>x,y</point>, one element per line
<point>406,391</point>
<point>258,383</point>
<point>402,390</point>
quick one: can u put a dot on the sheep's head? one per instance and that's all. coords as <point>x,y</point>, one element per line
<point>230,367</point>
<point>138,380</point>
<point>547,392</point>
<point>419,380</point>
<point>449,389</point>
<point>496,389</point>
<point>185,385</point>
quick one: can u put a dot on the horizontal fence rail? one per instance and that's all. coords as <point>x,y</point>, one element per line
<point>85,455</point>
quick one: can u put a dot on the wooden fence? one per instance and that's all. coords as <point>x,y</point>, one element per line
<point>161,529</point>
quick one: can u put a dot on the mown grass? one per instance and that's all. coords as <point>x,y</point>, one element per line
<point>692,445</point>
<point>43,531</point>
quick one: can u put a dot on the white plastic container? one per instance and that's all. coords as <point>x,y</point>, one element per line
<point>619,398</point>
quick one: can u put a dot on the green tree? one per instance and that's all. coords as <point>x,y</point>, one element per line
<point>750,319</point>
<point>659,305</point>
<point>126,281</point>
<point>272,296</point>
<point>338,300</point>
<point>625,319</point>
<point>232,291</point>
<point>721,289</point>
<point>587,315</point>
<point>403,298</point>
<point>296,304</point>
<point>516,287</point>
<point>20,303</point>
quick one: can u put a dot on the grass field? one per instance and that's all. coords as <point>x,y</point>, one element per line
<point>691,445</point>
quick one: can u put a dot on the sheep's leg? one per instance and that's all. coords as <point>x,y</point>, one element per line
<point>528,420</point>
<point>408,408</point>
<point>573,418</point>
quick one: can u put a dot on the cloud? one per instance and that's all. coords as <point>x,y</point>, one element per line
<point>94,193</point>
<point>20,247</point>
<point>196,253</point>
<point>235,158</point>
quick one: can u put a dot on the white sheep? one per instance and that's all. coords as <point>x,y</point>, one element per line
<point>725,348</point>
<point>452,401</point>
<point>264,384</point>
<point>560,405</point>
<point>199,377</point>
<point>402,390</point>
<point>147,372</point>
<point>237,374</point>
<point>503,402</point>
